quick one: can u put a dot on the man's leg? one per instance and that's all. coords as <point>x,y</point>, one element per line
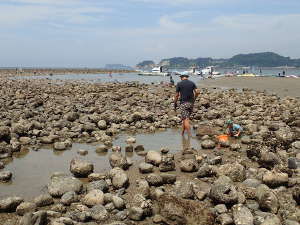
<point>188,127</point>
<point>183,127</point>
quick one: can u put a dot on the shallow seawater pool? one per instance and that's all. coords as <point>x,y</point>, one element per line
<point>32,169</point>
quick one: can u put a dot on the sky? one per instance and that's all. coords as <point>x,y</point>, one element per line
<point>92,33</point>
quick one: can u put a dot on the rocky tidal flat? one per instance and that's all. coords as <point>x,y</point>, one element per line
<point>252,180</point>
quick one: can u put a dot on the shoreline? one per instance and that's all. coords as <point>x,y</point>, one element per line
<point>283,87</point>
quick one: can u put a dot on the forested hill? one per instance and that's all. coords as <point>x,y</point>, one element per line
<point>264,59</point>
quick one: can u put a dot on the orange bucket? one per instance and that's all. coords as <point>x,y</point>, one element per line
<point>223,137</point>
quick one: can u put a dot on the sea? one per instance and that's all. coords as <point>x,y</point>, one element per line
<point>134,77</point>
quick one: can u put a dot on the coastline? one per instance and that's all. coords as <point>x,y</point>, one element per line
<point>283,87</point>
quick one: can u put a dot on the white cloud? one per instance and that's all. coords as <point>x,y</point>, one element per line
<point>62,11</point>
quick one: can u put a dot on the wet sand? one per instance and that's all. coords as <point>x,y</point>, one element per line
<point>281,86</point>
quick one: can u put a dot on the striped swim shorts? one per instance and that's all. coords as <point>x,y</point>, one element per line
<point>186,109</point>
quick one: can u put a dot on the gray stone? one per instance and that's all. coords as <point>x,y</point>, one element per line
<point>153,158</point>
<point>43,200</point>
<point>143,188</point>
<point>101,149</point>
<point>184,190</point>
<point>118,202</point>
<point>272,220</point>
<point>290,222</point>
<point>221,208</point>
<point>224,194</point>
<point>293,163</point>
<point>119,178</point>
<point>94,197</point>
<point>5,176</point>
<point>25,207</point>
<point>118,160</point>
<point>168,178</point>
<point>136,213</point>
<point>102,125</point>
<point>139,148</point>
<point>60,185</point>
<point>252,182</point>
<point>225,219</point>
<point>274,179</point>
<point>60,146</point>
<point>99,184</point>
<point>235,171</point>
<point>10,204</point>
<point>242,215</point>
<point>68,198</point>
<point>175,210</point>
<point>146,167</point>
<point>208,144</point>
<point>267,199</point>
<point>154,179</point>
<point>38,218</point>
<point>81,168</point>
<point>206,171</point>
<point>189,165</point>
<point>99,213</point>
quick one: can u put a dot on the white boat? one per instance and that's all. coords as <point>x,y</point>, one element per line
<point>156,71</point>
<point>209,71</point>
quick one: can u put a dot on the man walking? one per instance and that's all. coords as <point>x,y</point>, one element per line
<point>188,92</point>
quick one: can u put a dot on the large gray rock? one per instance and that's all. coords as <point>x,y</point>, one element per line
<point>235,171</point>
<point>272,220</point>
<point>99,213</point>
<point>274,179</point>
<point>118,160</point>
<point>167,163</point>
<point>25,207</point>
<point>154,179</point>
<point>10,204</point>
<point>136,213</point>
<point>242,215</point>
<point>184,190</point>
<point>189,165</point>
<point>5,176</point>
<point>118,202</point>
<point>69,198</point>
<point>119,178</point>
<point>146,167</point>
<point>223,193</point>
<point>60,146</point>
<point>94,197</point>
<point>267,199</point>
<point>43,200</point>
<point>99,184</point>
<point>177,211</point>
<point>62,184</point>
<point>102,125</point>
<point>38,218</point>
<point>208,144</point>
<point>81,168</point>
<point>153,157</point>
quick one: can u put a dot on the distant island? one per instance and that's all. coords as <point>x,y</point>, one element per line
<point>117,67</point>
<point>263,59</point>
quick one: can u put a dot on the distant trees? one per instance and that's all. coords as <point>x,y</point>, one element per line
<point>263,59</point>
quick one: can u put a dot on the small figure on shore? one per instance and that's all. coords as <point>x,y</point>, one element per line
<point>260,72</point>
<point>283,73</point>
<point>110,74</point>
<point>234,130</point>
<point>172,81</point>
<point>188,92</point>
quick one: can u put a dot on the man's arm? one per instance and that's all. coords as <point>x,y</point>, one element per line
<point>176,99</point>
<point>196,93</point>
